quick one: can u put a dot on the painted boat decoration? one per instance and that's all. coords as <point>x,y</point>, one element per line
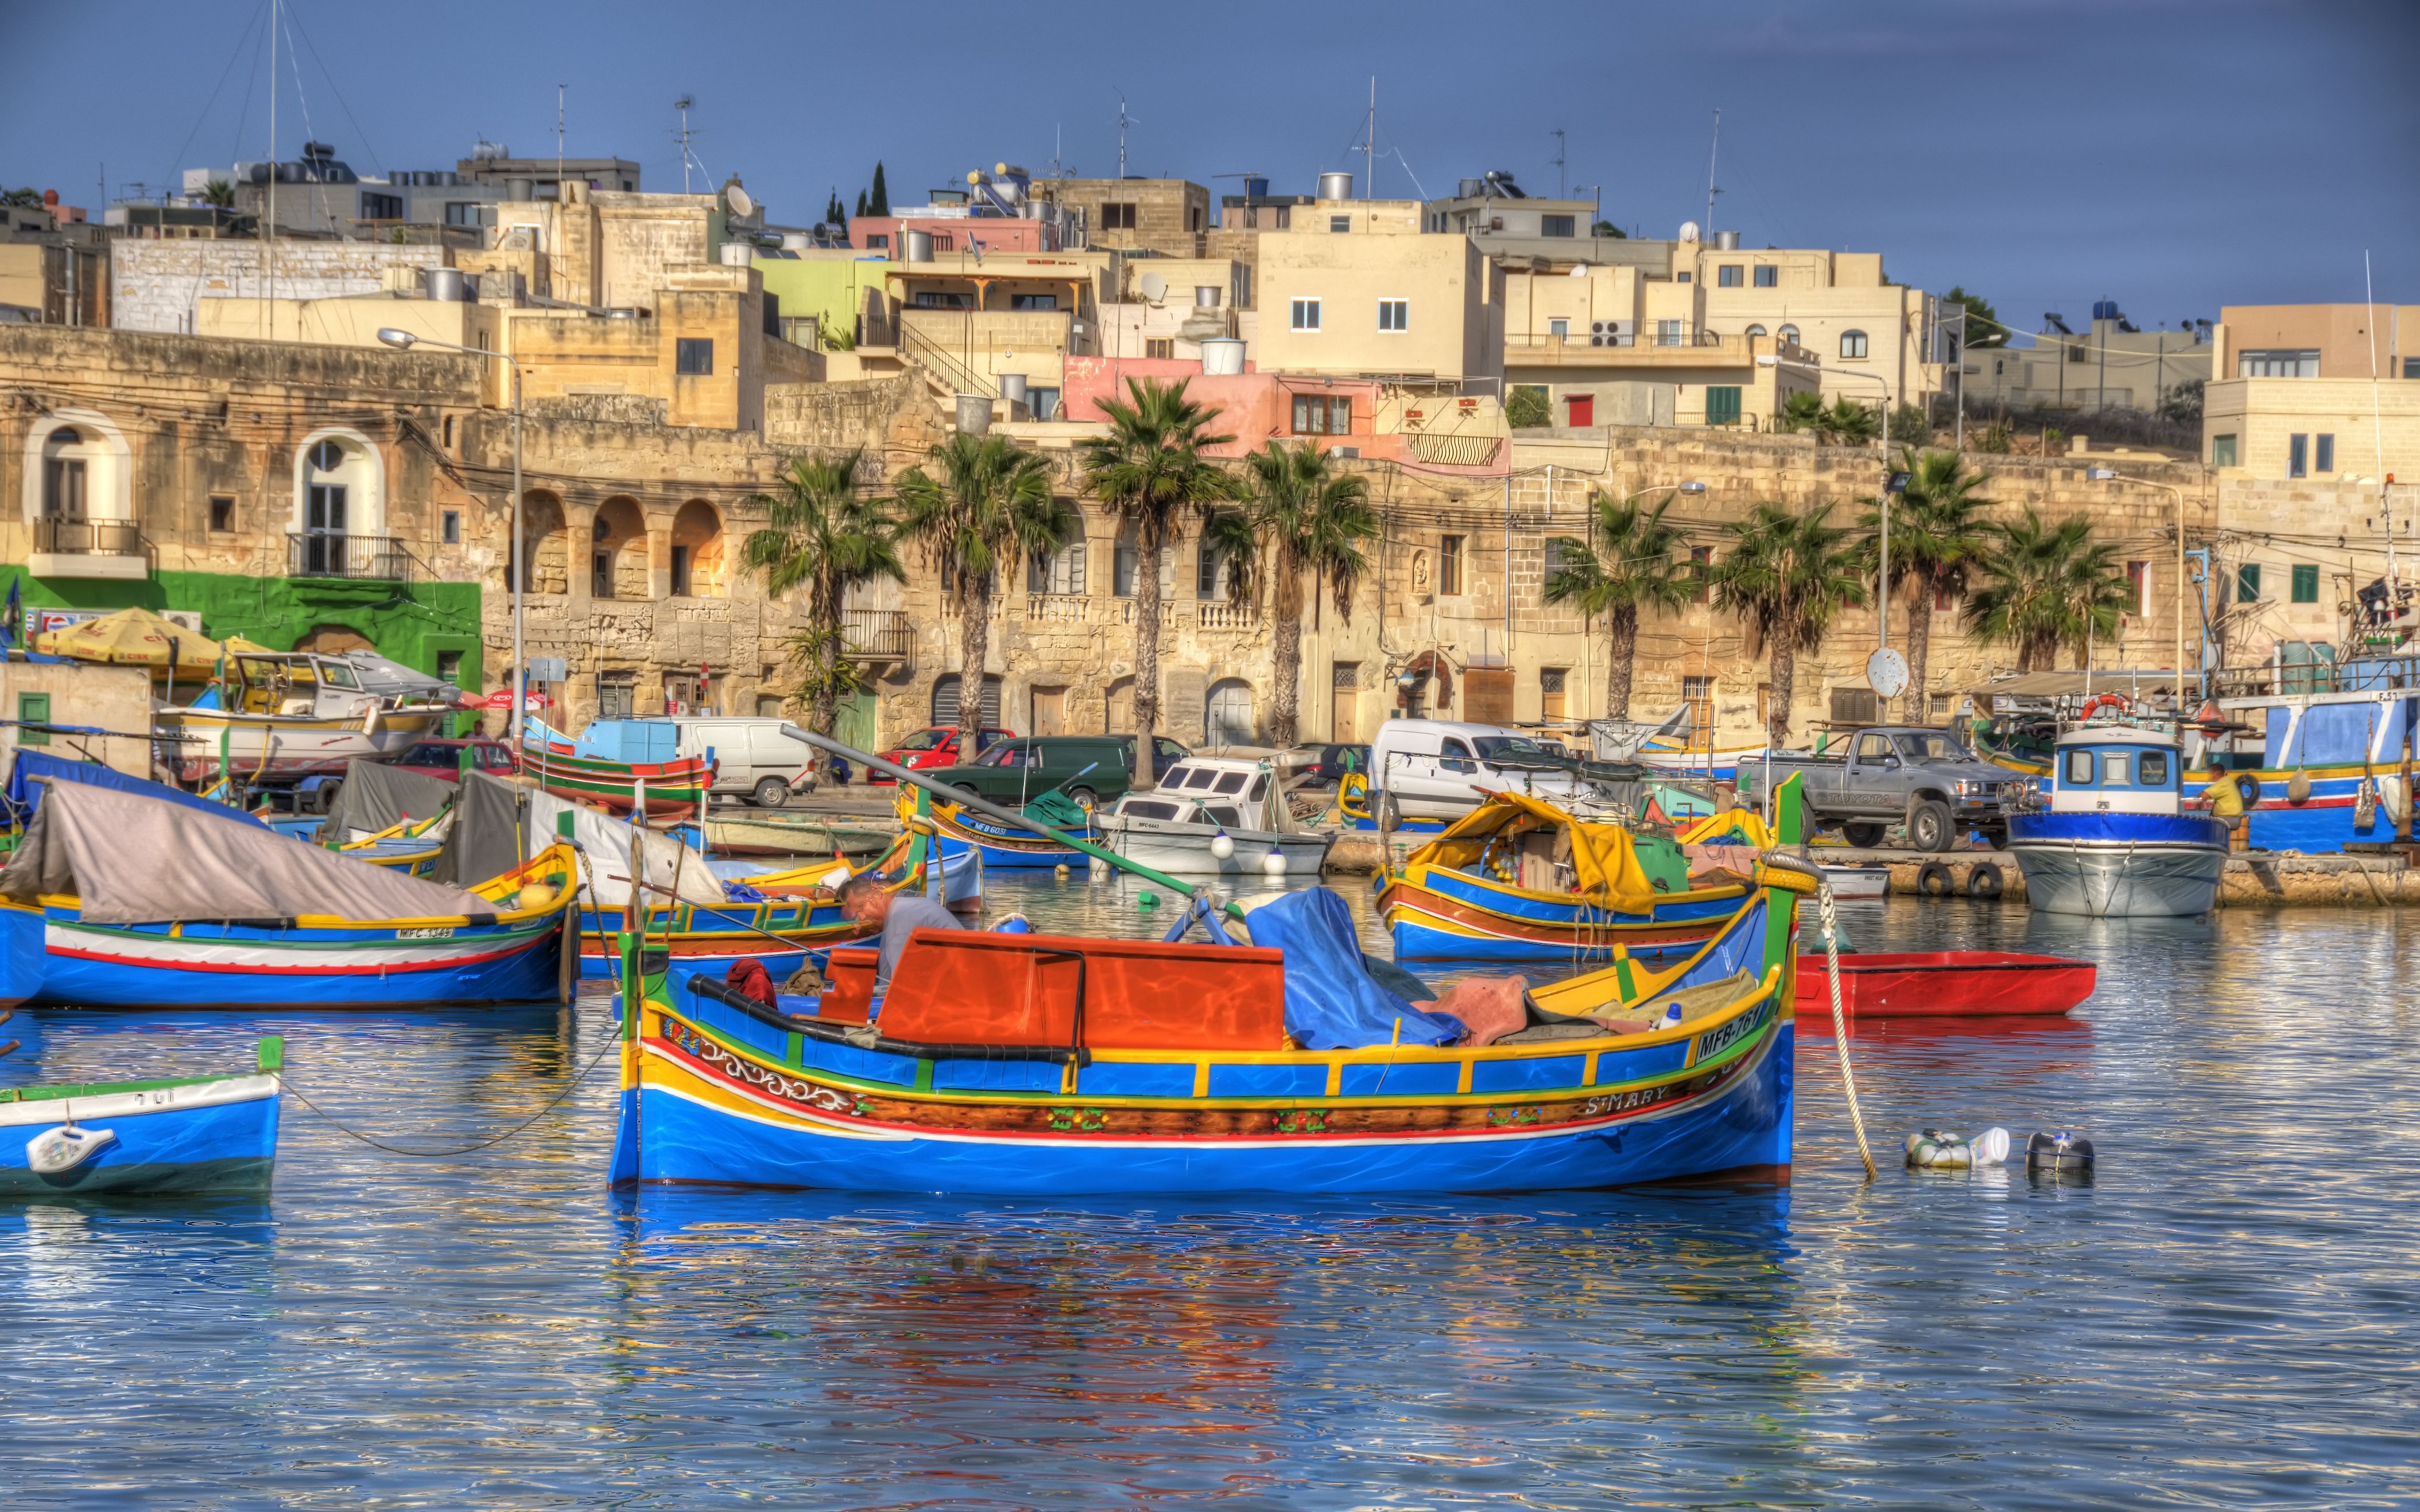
<point>145,904</point>
<point>675,786</point>
<point>185,1134</point>
<point>1945,984</point>
<point>2117,841</point>
<point>1053,1066</point>
<point>1518,879</point>
<point>958,833</point>
<point>1177,824</point>
<point>1353,807</point>
<point>289,715</point>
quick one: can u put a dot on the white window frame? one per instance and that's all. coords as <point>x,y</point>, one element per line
<point>1400,311</point>
<point>1865,345</point>
<point>1301,308</point>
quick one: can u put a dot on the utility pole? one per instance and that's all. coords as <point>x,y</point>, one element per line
<point>1712,156</point>
<point>558,144</point>
<point>1122,121</point>
<point>268,226</point>
<point>2100,339</point>
<point>682,105</point>
<point>1557,134</point>
<point>1370,155</point>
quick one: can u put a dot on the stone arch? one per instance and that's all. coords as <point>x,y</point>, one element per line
<point>339,482</point>
<point>617,552</point>
<point>334,640</point>
<point>697,551</point>
<point>103,480</point>
<point>546,544</point>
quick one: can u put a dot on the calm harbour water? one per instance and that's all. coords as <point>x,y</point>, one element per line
<point>2224,1317</point>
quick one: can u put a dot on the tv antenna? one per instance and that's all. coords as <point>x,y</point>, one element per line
<point>558,141</point>
<point>1125,120</point>
<point>1558,135</point>
<point>682,105</point>
<point>1712,155</point>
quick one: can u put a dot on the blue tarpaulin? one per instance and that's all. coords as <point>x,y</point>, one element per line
<point>25,795</point>
<point>1331,1003</point>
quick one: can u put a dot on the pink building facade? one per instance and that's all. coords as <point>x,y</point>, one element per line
<point>951,233</point>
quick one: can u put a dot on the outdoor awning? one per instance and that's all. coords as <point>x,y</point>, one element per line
<point>2071,684</point>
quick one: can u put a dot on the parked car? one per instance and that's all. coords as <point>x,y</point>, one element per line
<point>443,758</point>
<point>1089,770</point>
<point>1165,752</point>
<point>1440,769</point>
<point>1335,760</point>
<point>1889,773</point>
<point>935,746</point>
<point>752,758</point>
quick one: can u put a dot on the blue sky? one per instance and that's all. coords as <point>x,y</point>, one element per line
<point>2174,155</point>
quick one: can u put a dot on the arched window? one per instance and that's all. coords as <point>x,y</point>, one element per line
<point>1756,332</point>
<point>617,560</point>
<point>697,551</point>
<point>339,518</point>
<point>1790,335</point>
<point>1853,344</point>
<point>63,481</point>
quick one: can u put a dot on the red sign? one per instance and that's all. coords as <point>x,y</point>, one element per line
<point>503,699</point>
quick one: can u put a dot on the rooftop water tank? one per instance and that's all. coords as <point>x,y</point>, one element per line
<point>447,283</point>
<point>1726,241</point>
<point>1222,356</point>
<point>1011,387</point>
<point>1205,296</point>
<point>1336,186</point>
<point>918,245</point>
<point>1255,187</point>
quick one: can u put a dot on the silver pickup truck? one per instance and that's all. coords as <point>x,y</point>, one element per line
<point>1894,773</point>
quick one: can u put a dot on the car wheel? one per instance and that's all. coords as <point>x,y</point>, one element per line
<point>771,792</point>
<point>1863,837</point>
<point>968,791</point>
<point>1084,798</point>
<point>1930,826</point>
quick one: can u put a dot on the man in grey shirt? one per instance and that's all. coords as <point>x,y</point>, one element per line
<point>867,901</point>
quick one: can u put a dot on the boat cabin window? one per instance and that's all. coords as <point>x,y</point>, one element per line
<point>1873,747</point>
<point>1260,785</point>
<point>1147,808</point>
<point>1231,783</point>
<point>2151,769</point>
<point>336,676</point>
<point>1202,777</point>
<point>2076,769</point>
<point>1223,815</point>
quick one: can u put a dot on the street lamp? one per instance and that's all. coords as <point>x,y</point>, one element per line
<point>1878,671</point>
<point>2113,475</point>
<point>404,340</point>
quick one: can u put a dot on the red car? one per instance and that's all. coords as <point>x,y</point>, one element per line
<point>935,746</point>
<point>443,758</point>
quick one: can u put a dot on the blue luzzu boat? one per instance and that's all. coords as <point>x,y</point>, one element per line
<point>185,1134</point>
<point>2117,841</point>
<point>958,833</point>
<point>1518,879</point>
<point>1051,1066</point>
<point>120,900</point>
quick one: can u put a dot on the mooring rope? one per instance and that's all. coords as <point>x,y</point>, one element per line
<point>611,1045</point>
<point>1840,1029</point>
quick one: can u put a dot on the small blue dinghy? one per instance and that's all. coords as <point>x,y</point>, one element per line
<point>188,1135</point>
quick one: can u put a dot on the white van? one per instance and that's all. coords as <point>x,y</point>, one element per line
<point>1437,769</point>
<point>752,756</point>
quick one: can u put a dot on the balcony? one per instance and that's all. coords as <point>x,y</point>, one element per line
<point>1647,344</point>
<point>96,548</point>
<point>1213,614</point>
<point>877,634</point>
<point>343,554</point>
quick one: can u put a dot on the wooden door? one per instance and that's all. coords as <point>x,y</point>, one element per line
<point>1049,711</point>
<point>1344,717</point>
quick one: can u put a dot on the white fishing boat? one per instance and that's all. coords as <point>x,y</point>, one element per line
<point>1215,816</point>
<point>291,714</point>
<point>1849,881</point>
<point>2117,842</point>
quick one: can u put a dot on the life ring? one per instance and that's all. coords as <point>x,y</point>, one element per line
<point>1932,880</point>
<point>1984,881</point>
<point>2094,704</point>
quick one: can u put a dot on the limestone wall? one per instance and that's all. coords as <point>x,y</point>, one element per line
<point>159,282</point>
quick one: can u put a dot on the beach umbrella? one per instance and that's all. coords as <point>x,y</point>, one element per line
<point>134,638</point>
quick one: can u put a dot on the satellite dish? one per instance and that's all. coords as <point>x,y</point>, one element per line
<point>742,204</point>
<point>1886,672</point>
<point>1155,287</point>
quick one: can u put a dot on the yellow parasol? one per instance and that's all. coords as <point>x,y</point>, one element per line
<point>135,638</point>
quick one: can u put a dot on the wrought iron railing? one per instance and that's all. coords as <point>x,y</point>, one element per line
<point>345,554</point>
<point>876,632</point>
<point>87,538</point>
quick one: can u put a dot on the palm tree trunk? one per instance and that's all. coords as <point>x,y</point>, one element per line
<point>823,706</point>
<point>1785,678</point>
<point>974,645</point>
<point>1620,654</point>
<point>1146,652</point>
<point>1285,655</point>
<point>1919,647</point>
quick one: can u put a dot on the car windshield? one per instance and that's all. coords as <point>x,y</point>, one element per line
<point>928,740</point>
<point>431,756</point>
<point>1007,753</point>
<point>1518,748</point>
<point>495,756</point>
<point>1932,746</point>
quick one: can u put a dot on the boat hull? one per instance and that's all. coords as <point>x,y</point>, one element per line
<point>2120,866</point>
<point>1945,984</point>
<point>709,938</point>
<point>1435,914</point>
<point>218,1135</point>
<point>266,966</point>
<point>275,747</point>
<point>1184,849</point>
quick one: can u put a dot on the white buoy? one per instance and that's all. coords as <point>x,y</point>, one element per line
<point>1100,868</point>
<point>1273,864</point>
<point>1221,846</point>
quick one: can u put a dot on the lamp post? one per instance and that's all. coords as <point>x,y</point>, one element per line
<point>2112,475</point>
<point>1882,446</point>
<point>404,340</point>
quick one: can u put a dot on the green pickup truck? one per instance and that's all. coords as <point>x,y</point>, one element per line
<point>1091,769</point>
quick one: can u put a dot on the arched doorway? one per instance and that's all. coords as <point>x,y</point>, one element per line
<point>547,546</point>
<point>334,640</point>
<point>340,510</point>
<point>617,560</point>
<point>1228,714</point>
<point>945,701</point>
<point>697,551</point>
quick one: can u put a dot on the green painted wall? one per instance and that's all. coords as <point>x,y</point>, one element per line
<point>411,622</point>
<point>827,286</point>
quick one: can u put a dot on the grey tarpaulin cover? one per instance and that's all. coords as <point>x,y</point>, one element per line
<point>605,842</point>
<point>376,797</point>
<point>133,859</point>
<point>489,820</point>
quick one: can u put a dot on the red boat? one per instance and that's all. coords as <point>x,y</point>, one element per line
<point>1943,984</point>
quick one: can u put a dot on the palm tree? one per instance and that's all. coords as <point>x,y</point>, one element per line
<point>1150,471</point>
<point>827,536</point>
<point>1786,576</point>
<point>1310,520</point>
<point>991,507</point>
<point>1625,565</point>
<point>1842,422</point>
<point>1937,539</point>
<point>2050,586</point>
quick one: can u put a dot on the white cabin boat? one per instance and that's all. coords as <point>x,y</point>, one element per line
<point>1178,827</point>
<point>290,715</point>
